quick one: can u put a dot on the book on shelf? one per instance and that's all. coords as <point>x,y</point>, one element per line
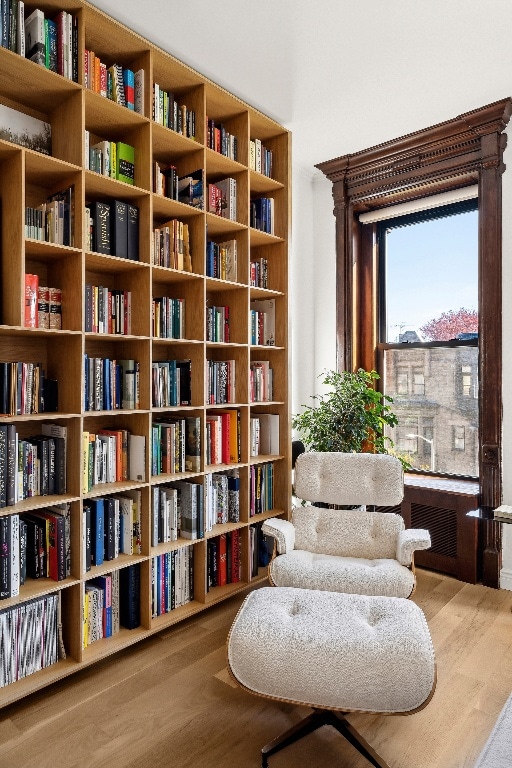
<point>35,37</point>
<point>119,228</point>
<point>193,444</point>
<point>263,322</point>
<point>25,130</point>
<point>191,189</point>
<point>269,433</point>
<point>125,162</point>
<point>129,596</point>
<point>133,232</point>
<point>31,295</point>
<point>221,260</point>
<point>226,205</point>
<point>100,215</point>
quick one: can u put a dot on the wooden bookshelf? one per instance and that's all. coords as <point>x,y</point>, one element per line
<point>27,178</point>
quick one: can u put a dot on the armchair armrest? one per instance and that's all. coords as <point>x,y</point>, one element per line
<point>410,540</point>
<point>282,531</point>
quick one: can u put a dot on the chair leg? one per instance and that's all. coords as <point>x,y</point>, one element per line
<point>314,721</point>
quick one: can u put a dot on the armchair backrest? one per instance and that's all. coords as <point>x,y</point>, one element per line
<point>349,478</point>
<point>347,532</point>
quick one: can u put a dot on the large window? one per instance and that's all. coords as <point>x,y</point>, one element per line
<point>428,335</point>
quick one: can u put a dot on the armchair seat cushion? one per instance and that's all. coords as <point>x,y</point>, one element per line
<point>353,575</point>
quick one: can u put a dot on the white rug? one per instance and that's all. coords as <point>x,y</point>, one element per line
<point>497,752</point>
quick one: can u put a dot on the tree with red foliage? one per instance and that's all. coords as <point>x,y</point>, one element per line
<point>450,324</point>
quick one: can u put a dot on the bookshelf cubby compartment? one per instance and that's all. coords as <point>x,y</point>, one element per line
<point>76,266</point>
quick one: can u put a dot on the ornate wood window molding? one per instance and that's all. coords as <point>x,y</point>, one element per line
<point>453,154</point>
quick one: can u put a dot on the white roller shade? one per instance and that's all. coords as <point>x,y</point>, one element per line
<point>423,204</point>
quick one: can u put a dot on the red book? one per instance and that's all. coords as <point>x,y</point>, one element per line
<point>31,292</point>
<point>235,556</point>
<point>222,560</point>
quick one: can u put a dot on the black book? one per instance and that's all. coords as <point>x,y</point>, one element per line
<point>109,529</point>
<point>129,596</point>
<point>23,551</point>
<point>5,558</point>
<point>119,229</point>
<point>3,465</point>
<point>33,560</point>
<point>87,536</point>
<point>133,232</point>
<point>12,460</point>
<point>50,395</point>
<point>60,465</point>
<point>185,369</point>
<point>100,216</point>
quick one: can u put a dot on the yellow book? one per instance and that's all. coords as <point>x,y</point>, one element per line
<point>85,462</point>
<point>85,628</point>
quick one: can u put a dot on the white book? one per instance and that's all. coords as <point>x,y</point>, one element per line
<point>35,39</point>
<point>139,91</point>
<point>137,453</point>
<point>20,29</point>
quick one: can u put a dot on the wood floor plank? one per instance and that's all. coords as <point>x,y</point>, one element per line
<point>169,700</point>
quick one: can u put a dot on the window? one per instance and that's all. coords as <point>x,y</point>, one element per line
<point>467,390</point>
<point>428,310</point>
<point>459,440</point>
<point>442,159</point>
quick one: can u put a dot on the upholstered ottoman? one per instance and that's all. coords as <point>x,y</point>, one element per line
<point>332,651</point>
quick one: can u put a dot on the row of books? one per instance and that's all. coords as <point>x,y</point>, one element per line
<point>53,220</point>
<point>221,260</point>
<point>171,245</point>
<point>36,545</point>
<point>101,608</point>
<point>52,42</point>
<point>261,488</point>
<point>261,214</point>
<point>261,382</point>
<point>262,319</point>
<point>26,389</point>
<point>223,437</point>
<point>178,511</point>
<point>171,383</point>
<point>224,559</point>
<point>258,273</point>
<point>112,228</point>
<point>220,140</point>
<point>112,526</point>
<point>115,82</point>
<point>260,157</point>
<point>188,189</point>
<point>110,384</point>
<point>168,318</point>
<point>217,324</point>
<point>222,199</point>
<point>222,498</point>
<point>169,112</point>
<point>107,310</point>
<point>112,456</point>
<point>260,548</point>
<point>31,466</point>
<point>43,304</point>
<point>220,382</point>
<point>114,159</point>
<point>172,579</point>
<point>111,601</point>
<point>264,434</point>
<point>30,638</point>
<point>176,445</point>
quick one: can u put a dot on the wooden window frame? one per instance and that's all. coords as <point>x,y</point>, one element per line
<point>457,153</point>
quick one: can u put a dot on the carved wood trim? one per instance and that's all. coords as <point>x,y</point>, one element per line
<point>465,150</point>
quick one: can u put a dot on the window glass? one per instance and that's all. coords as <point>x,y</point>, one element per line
<point>429,296</point>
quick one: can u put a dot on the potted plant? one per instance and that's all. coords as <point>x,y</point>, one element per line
<point>350,418</point>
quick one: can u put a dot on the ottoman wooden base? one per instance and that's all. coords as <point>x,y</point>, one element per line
<point>335,653</point>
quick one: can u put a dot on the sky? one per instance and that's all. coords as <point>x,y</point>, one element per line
<point>431,268</point>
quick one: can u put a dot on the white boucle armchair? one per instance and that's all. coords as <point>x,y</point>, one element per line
<point>357,551</point>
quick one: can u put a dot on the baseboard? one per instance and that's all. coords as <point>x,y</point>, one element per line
<point>506,579</point>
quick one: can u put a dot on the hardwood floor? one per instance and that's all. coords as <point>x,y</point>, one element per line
<point>169,701</point>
